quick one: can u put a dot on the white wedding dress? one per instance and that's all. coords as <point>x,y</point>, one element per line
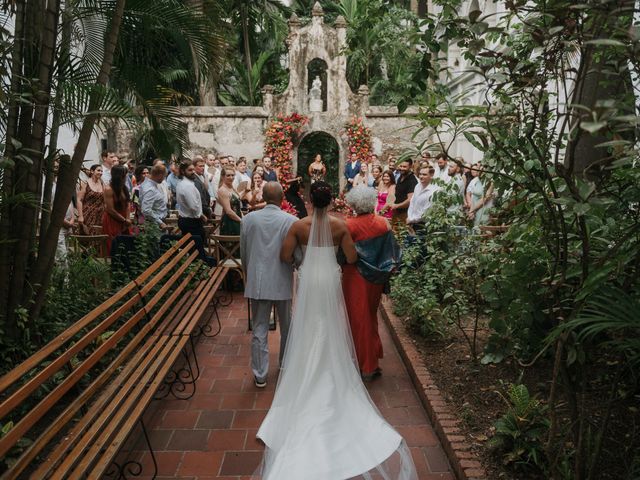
<point>322,424</point>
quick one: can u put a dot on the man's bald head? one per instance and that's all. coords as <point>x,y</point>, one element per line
<point>272,193</point>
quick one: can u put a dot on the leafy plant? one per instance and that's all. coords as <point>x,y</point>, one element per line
<point>521,431</point>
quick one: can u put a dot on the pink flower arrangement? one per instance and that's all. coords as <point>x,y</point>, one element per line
<point>341,206</point>
<point>359,139</point>
<point>287,207</point>
<point>280,135</point>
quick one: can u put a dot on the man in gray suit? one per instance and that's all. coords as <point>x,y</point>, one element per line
<point>268,280</point>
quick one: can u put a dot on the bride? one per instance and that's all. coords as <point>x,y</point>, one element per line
<point>322,424</point>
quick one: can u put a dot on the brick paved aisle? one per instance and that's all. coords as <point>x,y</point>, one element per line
<point>213,434</point>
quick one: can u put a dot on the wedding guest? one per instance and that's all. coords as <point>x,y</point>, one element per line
<point>426,156</point>
<point>391,165</point>
<point>163,185</point>
<point>386,194</point>
<point>442,168</point>
<point>317,169</point>
<point>190,217</point>
<point>131,175</point>
<point>210,175</point>
<point>351,169</point>
<point>466,173</point>
<point>422,199</point>
<point>292,195</point>
<point>479,197</point>
<point>201,183</point>
<point>210,160</point>
<point>256,201</point>
<point>405,186</point>
<point>257,162</point>
<point>269,174</point>
<point>115,220</point>
<point>139,176</point>
<point>241,174</point>
<point>363,177</point>
<point>372,237</point>
<point>230,204</point>
<point>109,160</point>
<point>455,173</point>
<point>172,181</point>
<point>153,200</point>
<point>376,173</point>
<point>90,202</point>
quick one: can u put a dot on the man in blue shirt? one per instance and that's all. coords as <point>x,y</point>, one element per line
<point>153,201</point>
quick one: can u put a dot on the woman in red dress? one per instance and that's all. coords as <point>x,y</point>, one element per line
<point>115,220</point>
<point>362,296</point>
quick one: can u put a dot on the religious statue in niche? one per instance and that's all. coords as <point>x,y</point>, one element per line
<point>315,95</point>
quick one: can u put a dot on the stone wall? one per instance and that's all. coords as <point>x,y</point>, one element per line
<point>236,131</point>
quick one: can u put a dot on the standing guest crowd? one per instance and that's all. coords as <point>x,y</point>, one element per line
<point>405,189</point>
<point>117,198</point>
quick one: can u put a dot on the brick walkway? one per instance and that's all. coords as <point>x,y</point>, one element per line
<point>212,435</point>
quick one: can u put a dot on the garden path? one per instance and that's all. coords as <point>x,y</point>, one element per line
<point>213,434</point>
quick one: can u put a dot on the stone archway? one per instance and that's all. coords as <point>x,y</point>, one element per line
<point>331,150</point>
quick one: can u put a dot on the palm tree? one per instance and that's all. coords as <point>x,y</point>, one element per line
<point>91,85</point>
<point>257,18</point>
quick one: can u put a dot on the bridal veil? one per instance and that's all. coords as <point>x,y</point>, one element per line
<point>322,424</point>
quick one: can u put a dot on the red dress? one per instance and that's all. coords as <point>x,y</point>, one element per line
<point>363,297</point>
<point>113,227</point>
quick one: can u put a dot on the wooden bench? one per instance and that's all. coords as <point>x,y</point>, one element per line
<point>89,387</point>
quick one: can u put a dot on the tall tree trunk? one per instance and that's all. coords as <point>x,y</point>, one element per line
<point>63,60</point>
<point>6,236</point>
<point>40,34</point>
<point>69,172</point>
<point>244,18</point>
<point>597,80</point>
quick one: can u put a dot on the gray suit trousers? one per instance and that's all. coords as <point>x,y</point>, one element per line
<point>260,313</point>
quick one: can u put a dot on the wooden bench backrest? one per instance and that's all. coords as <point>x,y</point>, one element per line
<point>136,298</point>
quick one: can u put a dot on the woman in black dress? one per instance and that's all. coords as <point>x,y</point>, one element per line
<point>292,195</point>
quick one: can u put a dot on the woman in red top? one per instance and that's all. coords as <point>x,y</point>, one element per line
<point>115,220</point>
<point>363,297</point>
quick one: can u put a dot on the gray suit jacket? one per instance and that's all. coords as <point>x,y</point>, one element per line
<point>261,235</point>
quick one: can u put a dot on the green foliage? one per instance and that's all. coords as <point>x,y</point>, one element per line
<point>78,285</point>
<point>563,157</point>
<point>436,286</point>
<point>521,431</point>
<point>610,319</point>
<point>242,87</point>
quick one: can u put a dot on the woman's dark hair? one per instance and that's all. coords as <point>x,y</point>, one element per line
<point>138,173</point>
<point>94,166</point>
<point>120,191</point>
<point>392,177</point>
<point>320,194</point>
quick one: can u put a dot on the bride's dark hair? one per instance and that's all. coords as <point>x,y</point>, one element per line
<point>320,194</point>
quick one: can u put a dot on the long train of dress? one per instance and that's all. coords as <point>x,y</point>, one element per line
<point>322,423</point>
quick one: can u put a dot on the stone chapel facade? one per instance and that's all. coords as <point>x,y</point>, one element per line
<point>239,131</point>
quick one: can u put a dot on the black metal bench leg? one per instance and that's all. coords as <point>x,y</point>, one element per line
<point>177,382</point>
<point>206,329</point>
<point>133,468</point>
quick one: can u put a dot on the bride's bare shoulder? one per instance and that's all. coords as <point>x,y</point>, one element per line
<point>338,223</point>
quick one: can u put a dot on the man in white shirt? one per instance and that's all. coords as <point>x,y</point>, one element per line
<point>241,174</point>
<point>422,199</point>
<point>109,160</point>
<point>442,168</point>
<point>153,200</point>
<point>190,217</point>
